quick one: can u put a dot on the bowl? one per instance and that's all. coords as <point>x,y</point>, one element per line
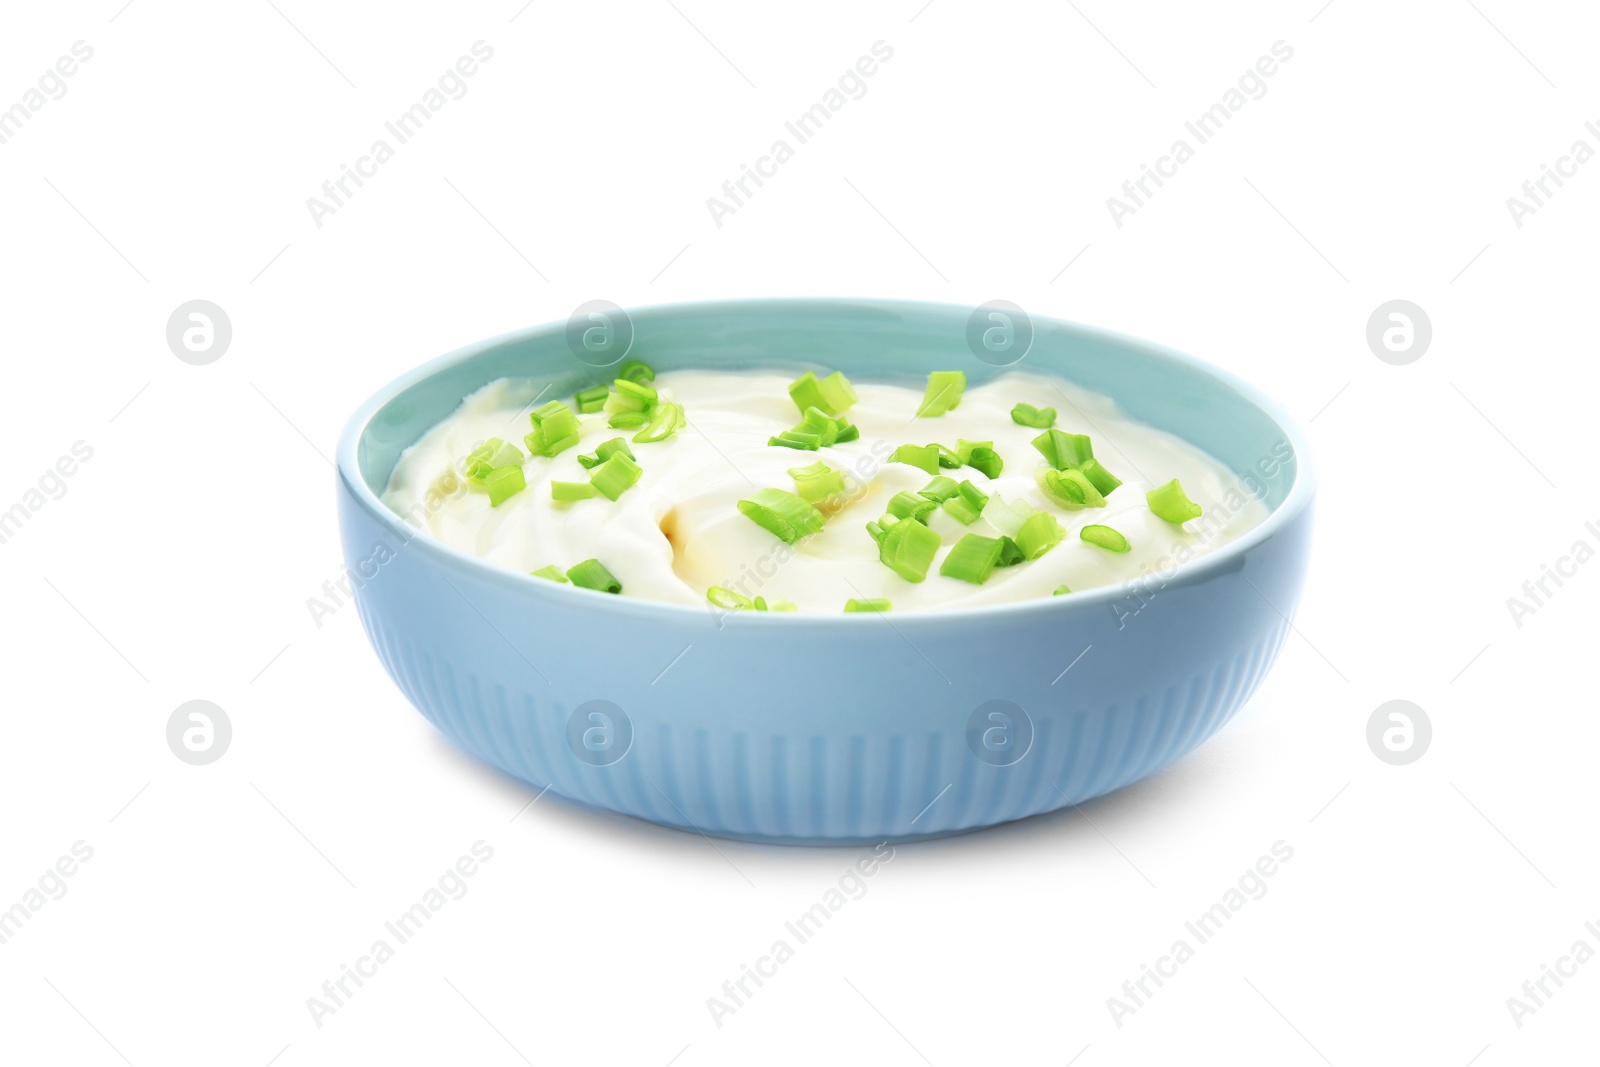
<point>830,729</point>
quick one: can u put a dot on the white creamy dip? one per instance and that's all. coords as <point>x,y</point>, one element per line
<point>679,531</point>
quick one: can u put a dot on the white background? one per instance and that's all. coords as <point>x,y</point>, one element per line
<point>179,562</point>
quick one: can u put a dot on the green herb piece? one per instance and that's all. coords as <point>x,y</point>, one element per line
<point>923,456</point>
<point>1011,553</point>
<point>1103,479</point>
<point>972,559</point>
<point>492,454</point>
<point>908,549</point>
<point>986,460</point>
<point>555,429</point>
<point>592,399</point>
<point>1062,449</point>
<point>504,483</point>
<point>783,514</point>
<point>615,475</point>
<point>1038,418</point>
<point>1069,488</point>
<point>879,528</point>
<point>1061,590</point>
<point>727,598</point>
<point>627,420</point>
<point>906,505</point>
<point>940,489</point>
<point>603,452</point>
<point>636,371</point>
<point>1007,516</point>
<point>847,432</point>
<point>943,393</point>
<point>973,495</point>
<point>1039,535</point>
<point>591,574</point>
<point>853,605</point>
<point>568,491</point>
<point>1105,537</point>
<point>1171,503</point>
<point>825,426</point>
<point>552,572</point>
<point>817,482</point>
<point>665,420</point>
<point>833,394</point>
<point>948,457</point>
<point>629,396</point>
<point>960,509</point>
<point>796,439</point>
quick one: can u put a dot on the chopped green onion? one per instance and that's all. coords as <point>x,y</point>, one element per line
<point>880,527</point>
<point>853,605</point>
<point>504,483</point>
<point>555,429</point>
<point>490,455</point>
<point>908,549</point>
<point>943,393</point>
<point>911,506</point>
<point>1007,516</point>
<point>1011,553</point>
<point>833,394</point>
<point>727,598</point>
<point>629,396</point>
<point>551,572</point>
<point>817,429</point>
<point>1061,590</point>
<point>615,475</point>
<point>1105,537</point>
<point>947,457</point>
<point>1170,502</point>
<point>1039,535</point>
<point>1062,449</point>
<point>665,420</point>
<point>591,574</point>
<point>825,426</point>
<point>986,460</point>
<point>592,399</point>
<point>940,489</point>
<point>783,514</point>
<point>1103,479</point>
<point>817,482</point>
<point>979,454</point>
<point>1069,488</point>
<point>1038,418</point>
<point>637,372</point>
<point>603,452</point>
<point>759,603</point>
<point>960,509</point>
<point>972,559</point>
<point>627,420</point>
<point>565,491</point>
<point>974,496</point>
<point>804,442</point>
<point>923,456</point>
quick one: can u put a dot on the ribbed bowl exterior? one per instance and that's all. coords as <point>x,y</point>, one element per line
<point>842,728</point>
<point>742,736</point>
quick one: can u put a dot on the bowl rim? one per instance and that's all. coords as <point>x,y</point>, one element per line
<point>556,595</point>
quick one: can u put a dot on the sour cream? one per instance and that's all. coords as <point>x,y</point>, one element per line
<point>679,530</point>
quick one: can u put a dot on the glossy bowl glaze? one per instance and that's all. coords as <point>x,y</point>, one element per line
<point>830,729</point>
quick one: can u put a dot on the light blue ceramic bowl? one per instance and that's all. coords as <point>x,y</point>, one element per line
<point>839,728</point>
